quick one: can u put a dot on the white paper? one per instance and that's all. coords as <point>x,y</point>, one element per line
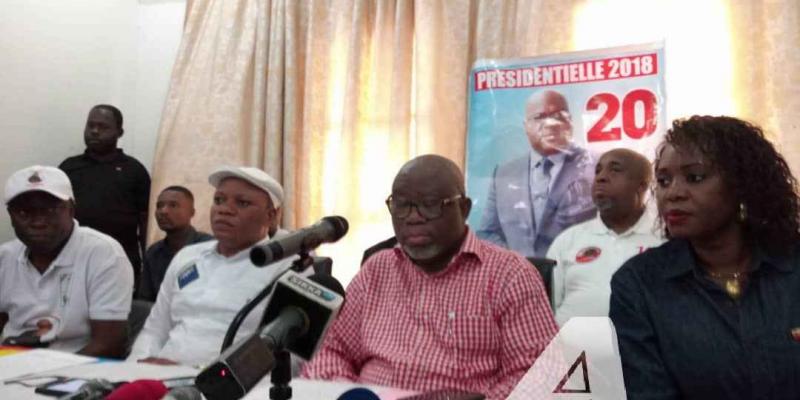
<point>38,361</point>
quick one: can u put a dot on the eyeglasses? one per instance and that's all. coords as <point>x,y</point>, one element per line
<point>561,116</point>
<point>28,213</point>
<point>428,208</point>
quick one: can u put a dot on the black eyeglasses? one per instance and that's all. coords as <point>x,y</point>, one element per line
<point>428,208</point>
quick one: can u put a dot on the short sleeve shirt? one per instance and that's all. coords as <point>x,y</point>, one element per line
<point>110,195</point>
<point>91,279</point>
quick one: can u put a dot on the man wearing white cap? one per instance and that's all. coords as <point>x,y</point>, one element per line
<point>206,284</point>
<point>61,285</point>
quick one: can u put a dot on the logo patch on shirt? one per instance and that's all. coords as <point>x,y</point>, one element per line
<point>587,254</point>
<point>187,276</point>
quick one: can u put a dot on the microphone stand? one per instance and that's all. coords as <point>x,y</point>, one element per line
<point>281,376</point>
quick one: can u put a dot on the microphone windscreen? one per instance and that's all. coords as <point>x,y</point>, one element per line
<point>143,389</point>
<point>339,224</point>
<point>358,394</point>
<point>329,282</point>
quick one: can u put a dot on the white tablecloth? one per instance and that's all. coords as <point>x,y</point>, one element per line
<point>129,371</point>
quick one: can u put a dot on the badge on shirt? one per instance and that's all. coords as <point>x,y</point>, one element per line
<point>587,254</point>
<point>187,276</point>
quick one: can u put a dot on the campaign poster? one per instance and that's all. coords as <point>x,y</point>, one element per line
<point>537,127</point>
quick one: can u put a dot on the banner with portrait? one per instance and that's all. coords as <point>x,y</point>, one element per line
<point>537,126</point>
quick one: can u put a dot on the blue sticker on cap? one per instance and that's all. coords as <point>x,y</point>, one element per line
<point>187,276</point>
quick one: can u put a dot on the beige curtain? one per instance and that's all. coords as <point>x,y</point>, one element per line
<point>766,60</point>
<point>331,97</point>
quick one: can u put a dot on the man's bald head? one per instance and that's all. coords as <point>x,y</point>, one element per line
<point>547,100</point>
<point>640,167</point>
<point>443,170</point>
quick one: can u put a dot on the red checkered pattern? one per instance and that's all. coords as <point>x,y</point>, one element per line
<point>477,325</point>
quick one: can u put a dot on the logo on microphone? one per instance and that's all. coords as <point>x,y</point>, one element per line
<point>309,288</point>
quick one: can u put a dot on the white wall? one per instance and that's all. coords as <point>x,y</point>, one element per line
<point>58,58</point>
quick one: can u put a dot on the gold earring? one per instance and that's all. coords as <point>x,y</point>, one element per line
<point>742,212</point>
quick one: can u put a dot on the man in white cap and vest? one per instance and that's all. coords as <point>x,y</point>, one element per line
<point>206,284</point>
<point>62,285</point>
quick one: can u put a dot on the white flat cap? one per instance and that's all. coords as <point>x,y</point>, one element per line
<point>39,178</point>
<point>255,176</point>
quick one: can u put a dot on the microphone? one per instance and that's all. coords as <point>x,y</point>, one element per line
<point>299,313</point>
<point>327,230</point>
<point>358,394</point>
<point>142,389</point>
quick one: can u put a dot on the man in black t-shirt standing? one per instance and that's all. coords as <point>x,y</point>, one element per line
<point>111,188</point>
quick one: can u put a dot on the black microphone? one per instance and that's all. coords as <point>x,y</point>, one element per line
<point>327,230</point>
<point>299,313</point>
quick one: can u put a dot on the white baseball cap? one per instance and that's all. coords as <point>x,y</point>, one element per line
<point>39,178</point>
<point>255,176</point>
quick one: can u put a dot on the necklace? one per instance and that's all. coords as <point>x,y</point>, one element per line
<point>732,282</point>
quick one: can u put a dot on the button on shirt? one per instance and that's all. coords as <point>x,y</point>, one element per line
<point>201,293</point>
<point>681,336</point>
<point>91,279</point>
<point>477,325</point>
<point>586,256</point>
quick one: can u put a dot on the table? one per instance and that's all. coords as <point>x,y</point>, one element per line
<point>303,389</point>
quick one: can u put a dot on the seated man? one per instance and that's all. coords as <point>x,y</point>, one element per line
<point>444,309</point>
<point>61,285</point>
<point>588,254</point>
<point>174,212</point>
<point>206,284</point>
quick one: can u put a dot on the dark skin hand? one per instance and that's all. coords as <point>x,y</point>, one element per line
<point>107,339</point>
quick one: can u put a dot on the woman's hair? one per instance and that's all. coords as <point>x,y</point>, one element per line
<point>753,170</point>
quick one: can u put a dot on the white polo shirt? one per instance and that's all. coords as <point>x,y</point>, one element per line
<point>587,255</point>
<point>91,279</point>
<point>201,293</point>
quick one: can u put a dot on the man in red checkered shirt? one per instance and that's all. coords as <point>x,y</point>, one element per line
<point>443,309</point>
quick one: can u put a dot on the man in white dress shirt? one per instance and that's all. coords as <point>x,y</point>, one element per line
<point>589,253</point>
<point>206,284</point>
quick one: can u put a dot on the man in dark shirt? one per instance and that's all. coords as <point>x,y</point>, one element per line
<point>111,188</point>
<point>174,212</point>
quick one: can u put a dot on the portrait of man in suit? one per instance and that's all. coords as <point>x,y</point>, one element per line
<point>533,198</point>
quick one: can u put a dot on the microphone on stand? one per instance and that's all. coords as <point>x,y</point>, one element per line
<point>327,230</point>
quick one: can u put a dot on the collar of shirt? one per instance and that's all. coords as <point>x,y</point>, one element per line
<point>118,156</point>
<point>470,247</point>
<point>684,262</point>
<point>162,246</point>
<point>557,159</point>
<point>65,258</point>
<point>644,226</point>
